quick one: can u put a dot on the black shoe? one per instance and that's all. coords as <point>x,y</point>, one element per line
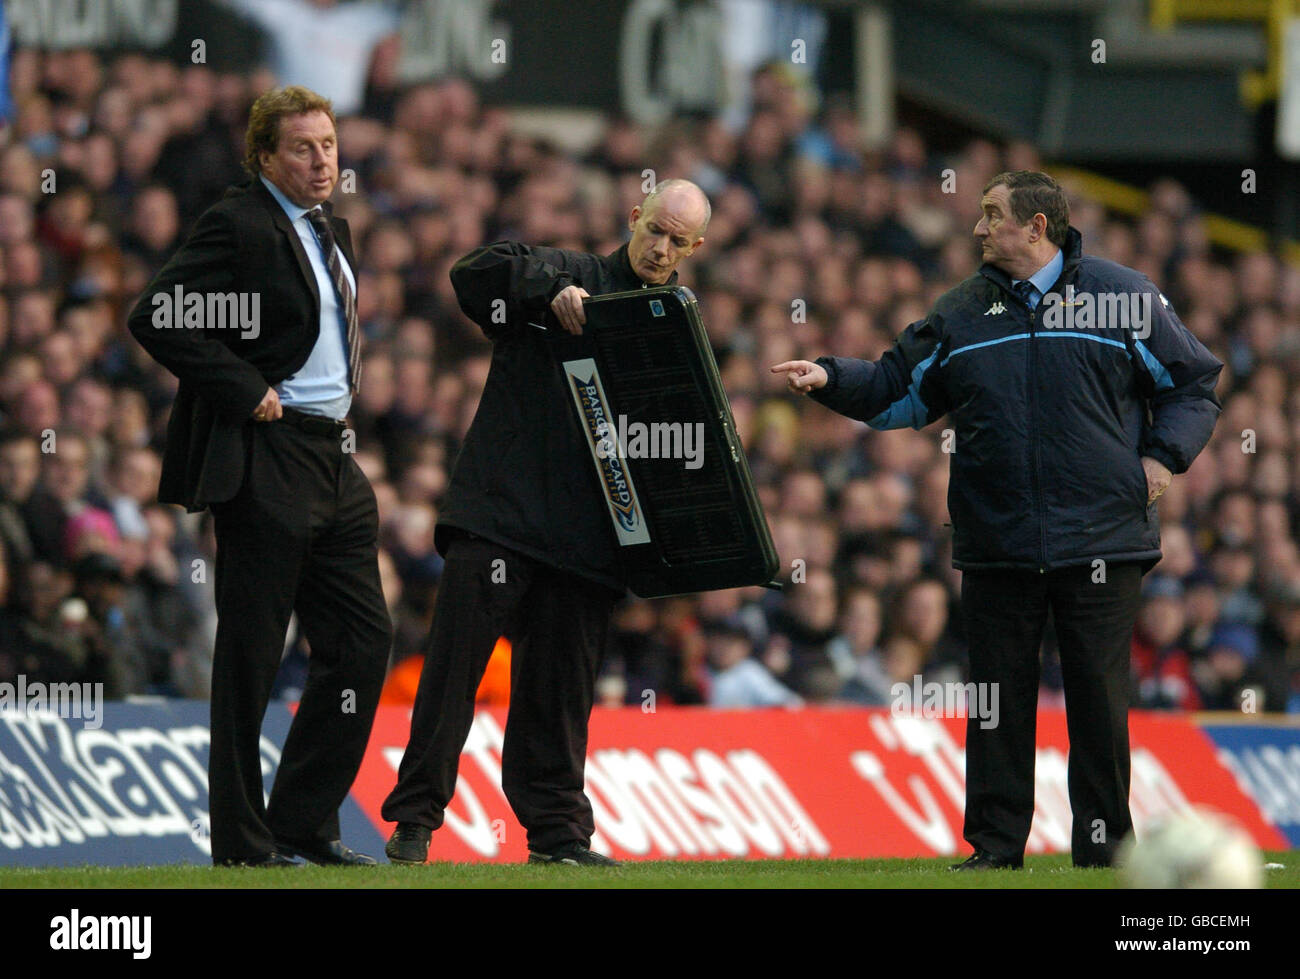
<point>273,859</point>
<point>409,844</point>
<point>573,855</point>
<point>333,853</point>
<point>981,860</point>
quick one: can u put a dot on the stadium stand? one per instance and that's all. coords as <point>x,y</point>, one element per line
<point>98,582</point>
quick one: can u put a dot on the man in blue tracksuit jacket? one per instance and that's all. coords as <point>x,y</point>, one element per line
<point>1075,393</point>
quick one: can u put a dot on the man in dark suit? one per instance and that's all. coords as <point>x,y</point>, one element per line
<point>256,316</point>
<point>529,551</point>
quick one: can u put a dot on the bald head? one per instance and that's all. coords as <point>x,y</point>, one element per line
<point>667,227</point>
<point>683,197</point>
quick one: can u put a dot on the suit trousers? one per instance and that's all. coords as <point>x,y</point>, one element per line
<point>1005,614</point>
<point>558,624</point>
<point>300,536</point>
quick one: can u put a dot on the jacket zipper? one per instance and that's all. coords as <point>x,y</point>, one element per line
<point>1033,437</point>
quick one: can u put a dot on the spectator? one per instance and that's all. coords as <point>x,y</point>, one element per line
<point>1280,656</point>
<point>807,626</point>
<point>322,45</point>
<point>800,210</point>
<point>31,520</point>
<point>52,642</point>
<point>1225,674</point>
<point>856,651</point>
<point>1162,671</point>
<point>738,680</point>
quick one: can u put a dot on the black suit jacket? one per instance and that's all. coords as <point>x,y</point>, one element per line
<point>242,244</point>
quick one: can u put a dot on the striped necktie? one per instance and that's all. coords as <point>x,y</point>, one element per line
<point>1025,290</point>
<point>344,290</point>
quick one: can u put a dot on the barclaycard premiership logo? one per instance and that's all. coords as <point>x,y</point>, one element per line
<point>593,406</point>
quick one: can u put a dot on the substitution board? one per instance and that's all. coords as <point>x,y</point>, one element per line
<point>647,395</point>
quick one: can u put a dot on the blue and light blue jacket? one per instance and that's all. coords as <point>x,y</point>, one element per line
<point>1051,420</point>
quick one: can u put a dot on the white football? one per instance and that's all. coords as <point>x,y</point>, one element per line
<point>1191,848</point>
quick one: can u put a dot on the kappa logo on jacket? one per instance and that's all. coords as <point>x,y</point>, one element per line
<point>995,310</point>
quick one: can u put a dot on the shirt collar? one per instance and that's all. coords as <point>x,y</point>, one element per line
<point>290,208</point>
<point>624,264</point>
<point>1046,277</point>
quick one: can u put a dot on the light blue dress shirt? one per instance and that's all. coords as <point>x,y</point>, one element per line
<point>321,385</point>
<point>1044,279</point>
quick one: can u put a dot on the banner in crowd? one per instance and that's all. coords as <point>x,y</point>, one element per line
<point>648,59</point>
<point>677,783</point>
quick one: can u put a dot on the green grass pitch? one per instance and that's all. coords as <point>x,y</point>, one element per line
<point>1041,872</point>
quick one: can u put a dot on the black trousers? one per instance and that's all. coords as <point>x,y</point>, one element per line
<point>1005,613</point>
<point>557,624</point>
<point>301,536</point>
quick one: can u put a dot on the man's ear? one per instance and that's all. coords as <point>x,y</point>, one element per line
<point>633,217</point>
<point>697,244</point>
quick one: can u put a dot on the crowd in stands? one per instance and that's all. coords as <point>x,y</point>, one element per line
<point>817,245</point>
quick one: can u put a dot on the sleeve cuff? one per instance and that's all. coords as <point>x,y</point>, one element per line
<point>832,374</point>
<point>1162,457</point>
<point>562,281</point>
